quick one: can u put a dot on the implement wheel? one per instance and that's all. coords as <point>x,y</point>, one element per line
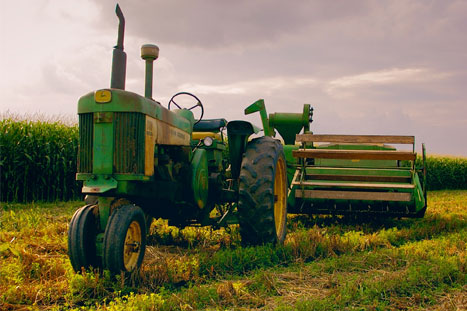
<point>262,203</point>
<point>125,239</point>
<point>82,234</point>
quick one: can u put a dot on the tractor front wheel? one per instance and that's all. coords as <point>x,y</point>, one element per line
<point>125,239</point>
<point>262,203</point>
<point>82,234</point>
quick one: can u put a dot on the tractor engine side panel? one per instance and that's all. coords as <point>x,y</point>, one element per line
<point>161,133</point>
<point>129,143</point>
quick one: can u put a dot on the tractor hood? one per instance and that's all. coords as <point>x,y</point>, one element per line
<point>116,100</point>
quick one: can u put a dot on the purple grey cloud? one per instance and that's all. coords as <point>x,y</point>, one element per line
<point>367,66</point>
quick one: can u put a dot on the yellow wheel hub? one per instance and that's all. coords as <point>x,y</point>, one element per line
<point>132,247</point>
<point>280,199</point>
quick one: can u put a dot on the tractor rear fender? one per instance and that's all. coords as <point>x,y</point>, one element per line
<point>199,177</point>
<point>238,132</point>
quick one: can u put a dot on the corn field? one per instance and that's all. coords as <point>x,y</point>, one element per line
<point>445,172</point>
<point>38,163</point>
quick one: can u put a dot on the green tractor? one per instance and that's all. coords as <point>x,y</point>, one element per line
<point>138,161</point>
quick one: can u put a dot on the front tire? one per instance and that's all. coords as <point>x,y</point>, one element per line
<point>262,203</point>
<point>82,233</point>
<point>125,239</point>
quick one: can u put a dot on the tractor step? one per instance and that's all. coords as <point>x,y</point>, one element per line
<point>354,185</point>
<point>369,178</point>
<point>397,175</point>
<point>356,139</point>
<point>354,195</point>
<point>355,154</point>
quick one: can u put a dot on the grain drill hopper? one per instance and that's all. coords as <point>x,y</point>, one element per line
<point>358,174</point>
<point>350,174</point>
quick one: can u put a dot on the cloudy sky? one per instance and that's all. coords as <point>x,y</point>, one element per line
<point>367,67</point>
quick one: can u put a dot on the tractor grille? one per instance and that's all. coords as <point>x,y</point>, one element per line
<point>85,143</point>
<point>129,138</point>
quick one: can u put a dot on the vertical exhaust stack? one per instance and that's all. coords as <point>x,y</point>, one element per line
<point>149,52</point>
<point>119,56</point>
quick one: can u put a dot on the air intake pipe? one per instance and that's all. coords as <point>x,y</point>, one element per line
<point>149,52</point>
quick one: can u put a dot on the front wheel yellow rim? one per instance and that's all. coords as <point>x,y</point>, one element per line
<point>132,247</point>
<point>280,199</point>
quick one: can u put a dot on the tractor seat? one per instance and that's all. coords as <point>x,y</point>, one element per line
<point>212,125</point>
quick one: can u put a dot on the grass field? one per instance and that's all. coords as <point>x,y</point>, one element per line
<point>326,264</point>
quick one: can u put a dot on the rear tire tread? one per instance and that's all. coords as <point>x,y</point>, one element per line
<point>256,191</point>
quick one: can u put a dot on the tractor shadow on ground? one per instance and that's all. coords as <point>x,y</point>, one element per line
<point>193,237</point>
<point>365,223</point>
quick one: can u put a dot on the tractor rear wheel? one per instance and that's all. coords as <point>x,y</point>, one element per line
<point>262,203</point>
<point>125,239</point>
<point>82,233</point>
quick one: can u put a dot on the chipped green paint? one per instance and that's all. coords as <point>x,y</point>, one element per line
<point>124,101</point>
<point>103,148</point>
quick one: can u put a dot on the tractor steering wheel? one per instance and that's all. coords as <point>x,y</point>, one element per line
<point>198,104</point>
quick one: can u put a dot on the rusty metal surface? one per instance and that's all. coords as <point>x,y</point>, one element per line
<point>129,141</point>
<point>85,143</point>
<point>150,141</point>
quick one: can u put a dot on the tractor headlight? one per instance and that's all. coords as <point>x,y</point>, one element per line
<point>207,141</point>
